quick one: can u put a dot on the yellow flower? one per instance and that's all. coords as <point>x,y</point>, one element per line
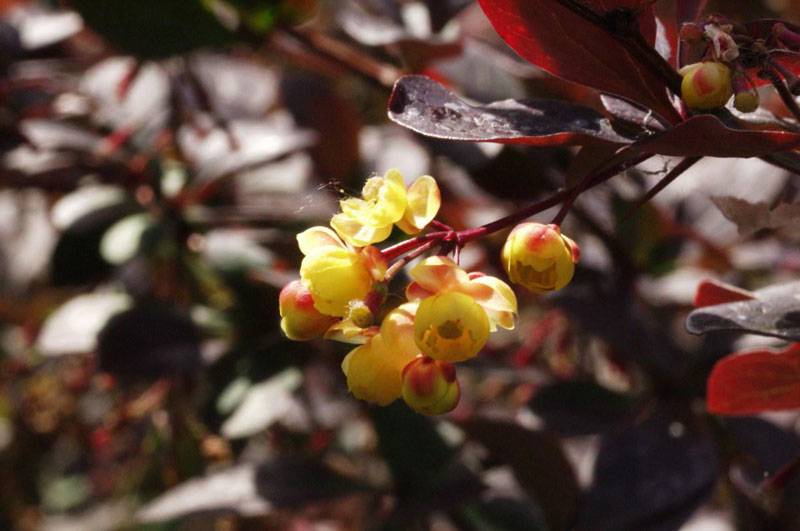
<point>334,273</point>
<point>301,321</point>
<point>430,386</point>
<point>374,370</point>
<point>706,85</point>
<point>451,326</point>
<point>438,274</point>
<point>385,201</point>
<point>539,257</point>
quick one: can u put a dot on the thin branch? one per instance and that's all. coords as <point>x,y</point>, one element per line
<point>344,55</point>
<point>665,181</point>
<point>783,91</point>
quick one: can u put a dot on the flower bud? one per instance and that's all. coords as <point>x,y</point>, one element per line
<point>300,320</point>
<point>706,85</point>
<point>539,257</point>
<point>359,313</point>
<point>430,386</point>
<point>745,98</point>
<point>451,326</point>
<point>335,276</point>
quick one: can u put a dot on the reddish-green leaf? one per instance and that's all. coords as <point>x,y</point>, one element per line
<point>754,382</point>
<point>558,40</point>
<point>426,107</point>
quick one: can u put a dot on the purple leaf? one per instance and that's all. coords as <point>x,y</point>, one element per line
<point>424,106</point>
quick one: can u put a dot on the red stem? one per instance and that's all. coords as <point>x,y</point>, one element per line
<point>463,236</point>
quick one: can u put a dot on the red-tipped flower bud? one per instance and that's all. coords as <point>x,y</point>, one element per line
<point>301,321</point>
<point>539,257</point>
<point>706,85</point>
<point>430,386</point>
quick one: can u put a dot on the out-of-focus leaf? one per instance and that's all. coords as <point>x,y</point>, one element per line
<point>753,217</point>
<point>258,142</point>
<point>154,28</point>
<point>505,514</point>
<point>711,292</point>
<point>771,446</point>
<point>650,476</point>
<point>424,106</point>
<point>558,40</point>
<point>146,99</point>
<point>149,341</point>
<point>580,408</point>
<point>251,490</point>
<point>754,382</point>
<point>237,88</point>
<point>317,105</point>
<point>644,232</point>
<point>774,311</point>
<point>265,403</point>
<point>415,452</point>
<point>538,463</point>
<point>122,241</point>
<point>73,327</point>
<point>44,29</point>
<point>76,258</point>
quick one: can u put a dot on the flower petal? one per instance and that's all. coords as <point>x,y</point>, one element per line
<point>424,200</point>
<point>354,231</point>
<point>315,238</point>
<point>438,273</point>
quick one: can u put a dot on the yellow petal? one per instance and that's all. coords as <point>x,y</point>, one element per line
<point>358,234</point>
<point>500,305</point>
<point>374,371</point>
<point>345,331</point>
<point>316,238</point>
<point>438,273</point>
<point>424,200</point>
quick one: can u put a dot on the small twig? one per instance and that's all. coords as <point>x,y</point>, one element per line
<point>400,264</point>
<point>592,180</point>
<point>347,56</point>
<point>665,181</point>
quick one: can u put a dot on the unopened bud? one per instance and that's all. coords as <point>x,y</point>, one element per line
<point>539,257</point>
<point>745,96</point>
<point>360,314</point>
<point>300,320</point>
<point>706,85</point>
<point>430,386</point>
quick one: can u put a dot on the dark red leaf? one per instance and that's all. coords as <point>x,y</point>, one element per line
<point>689,10</point>
<point>424,106</point>
<point>712,292</point>
<point>773,311</point>
<point>556,39</point>
<point>649,476</point>
<point>706,136</point>
<point>754,382</point>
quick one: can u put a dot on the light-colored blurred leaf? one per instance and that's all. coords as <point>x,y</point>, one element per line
<point>73,327</point>
<point>266,403</point>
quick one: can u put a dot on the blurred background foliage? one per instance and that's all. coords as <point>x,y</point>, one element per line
<point>157,159</point>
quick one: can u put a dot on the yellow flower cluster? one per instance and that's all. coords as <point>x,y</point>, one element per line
<point>449,314</point>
